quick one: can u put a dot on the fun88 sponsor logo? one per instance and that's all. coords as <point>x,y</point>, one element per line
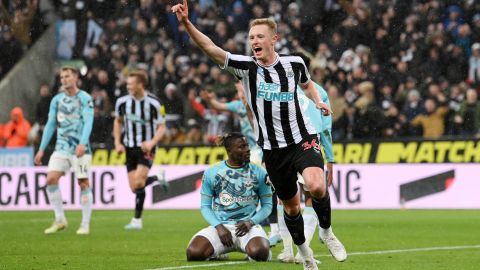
<point>271,92</point>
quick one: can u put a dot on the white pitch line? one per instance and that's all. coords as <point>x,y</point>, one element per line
<point>197,266</point>
<point>378,252</point>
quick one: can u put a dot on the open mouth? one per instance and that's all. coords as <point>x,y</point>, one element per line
<point>257,50</point>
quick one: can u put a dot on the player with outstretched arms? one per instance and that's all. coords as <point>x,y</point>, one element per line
<point>286,135</point>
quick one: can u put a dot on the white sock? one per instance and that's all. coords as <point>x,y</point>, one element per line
<point>283,230</point>
<point>303,249</point>
<point>310,223</point>
<point>86,200</point>
<point>137,220</point>
<point>55,197</point>
<point>324,232</point>
<point>274,228</point>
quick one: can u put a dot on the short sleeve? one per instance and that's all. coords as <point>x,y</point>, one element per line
<point>159,115</point>
<point>119,108</point>
<point>304,74</point>
<point>237,64</point>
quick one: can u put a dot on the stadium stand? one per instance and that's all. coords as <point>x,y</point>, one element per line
<point>380,61</point>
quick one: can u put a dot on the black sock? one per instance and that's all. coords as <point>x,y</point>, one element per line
<point>273,218</point>
<point>323,210</point>
<point>151,179</point>
<point>295,227</point>
<point>139,200</point>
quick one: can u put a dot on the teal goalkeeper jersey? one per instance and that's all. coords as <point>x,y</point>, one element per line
<point>237,107</point>
<point>72,117</point>
<point>233,194</point>
<point>323,124</point>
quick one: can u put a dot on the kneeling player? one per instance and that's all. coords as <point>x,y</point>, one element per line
<point>231,191</point>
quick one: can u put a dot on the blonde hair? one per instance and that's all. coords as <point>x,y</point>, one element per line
<point>272,25</point>
<point>140,75</point>
<point>72,69</point>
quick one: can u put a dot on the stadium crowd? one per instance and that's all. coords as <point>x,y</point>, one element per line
<point>21,23</point>
<point>391,68</point>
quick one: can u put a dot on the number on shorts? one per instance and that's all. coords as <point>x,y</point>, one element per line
<point>83,168</point>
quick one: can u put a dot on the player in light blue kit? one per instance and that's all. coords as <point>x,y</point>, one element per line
<point>231,191</point>
<point>71,115</point>
<point>237,107</point>
<point>323,126</point>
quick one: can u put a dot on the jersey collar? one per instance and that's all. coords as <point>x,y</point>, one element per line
<point>277,58</point>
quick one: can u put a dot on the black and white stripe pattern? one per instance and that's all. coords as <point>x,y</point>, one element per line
<point>140,118</point>
<point>278,123</point>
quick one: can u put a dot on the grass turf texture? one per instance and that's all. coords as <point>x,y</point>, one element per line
<point>162,242</point>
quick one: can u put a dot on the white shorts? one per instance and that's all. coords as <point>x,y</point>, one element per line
<point>61,162</point>
<point>302,181</point>
<point>256,155</point>
<point>239,243</point>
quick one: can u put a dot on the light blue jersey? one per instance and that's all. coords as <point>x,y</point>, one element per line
<point>237,107</point>
<point>322,123</point>
<point>72,118</point>
<point>232,194</point>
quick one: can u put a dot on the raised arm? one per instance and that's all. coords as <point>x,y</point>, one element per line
<point>217,54</point>
<point>212,101</point>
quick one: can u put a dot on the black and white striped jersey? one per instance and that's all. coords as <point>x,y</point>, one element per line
<point>141,118</point>
<point>271,92</point>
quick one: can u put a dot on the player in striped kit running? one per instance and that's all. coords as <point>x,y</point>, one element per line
<point>139,125</point>
<point>288,138</point>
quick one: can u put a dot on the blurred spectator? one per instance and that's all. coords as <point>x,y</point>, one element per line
<point>349,61</point>
<point>476,27</point>
<point>102,117</point>
<point>468,115</point>
<point>454,100</point>
<point>174,135</point>
<point>348,126</point>
<point>337,101</point>
<point>10,52</point>
<point>21,21</point>
<point>432,120</point>
<point>371,119</point>
<point>413,107</point>
<point>215,122</point>
<point>456,64</point>
<point>394,122</point>
<point>173,106</point>
<point>42,109</point>
<point>194,132</point>
<point>15,131</point>
<point>386,97</point>
<point>474,65</point>
<point>454,19</point>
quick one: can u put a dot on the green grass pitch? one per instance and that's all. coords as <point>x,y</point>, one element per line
<point>375,239</point>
